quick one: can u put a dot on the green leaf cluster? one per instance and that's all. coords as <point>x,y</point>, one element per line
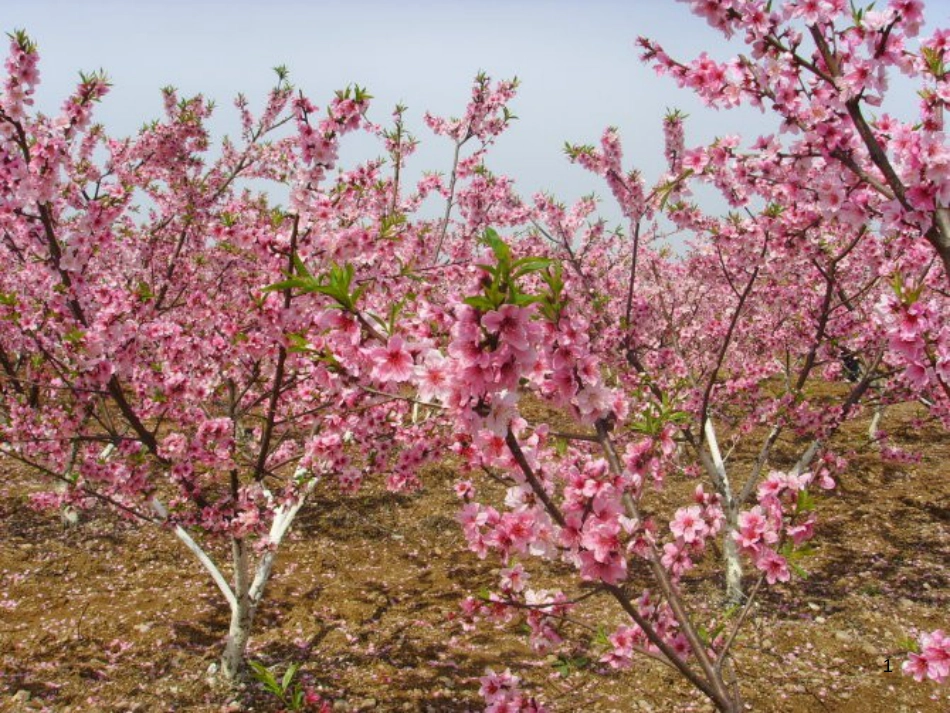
<point>805,503</point>
<point>908,644</point>
<point>708,636</point>
<point>551,301</point>
<point>388,325</point>
<point>574,151</point>
<point>336,283</point>
<point>934,60</point>
<point>283,74</point>
<point>23,41</point>
<point>566,665</point>
<point>857,12</point>
<point>670,187</point>
<point>74,336</point>
<point>355,92</point>
<point>674,115</point>
<point>390,227</point>
<point>907,294</point>
<point>654,418</point>
<point>290,694</point>
<point>794,555</point>
<point>95,78</point>
<point>501,279</point>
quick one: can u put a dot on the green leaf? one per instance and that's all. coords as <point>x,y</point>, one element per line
<point>806,550</point>
<point>498,246</point>
<point>797,569</point>
<point>806,503</point>
<point>479,302</point>
<point>934,61</point>
<point>565,665</point>
<point>23,41</point>
<point>490,269</point>
<point>289,675</point>
<point>298,344</point>
<point>909,644</point>
<point>731,611</point>
<point>573,151</point>
<point>300,267</point>
<point>277,217</point>
<point>355,296</point>
<point>326,357</point>
<point>527,265</point>
<point>305,284</point>
<point>74,336</point>
<point>265,677</point>
<point>395,310</point>
<point>388,226</point>
<point>524,300</point>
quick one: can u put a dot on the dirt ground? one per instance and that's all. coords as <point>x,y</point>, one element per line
<point>111,617</point>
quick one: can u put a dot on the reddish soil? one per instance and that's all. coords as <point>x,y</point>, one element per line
<point>106,616</point>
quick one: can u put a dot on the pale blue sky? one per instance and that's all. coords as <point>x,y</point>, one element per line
<point>577,61</point>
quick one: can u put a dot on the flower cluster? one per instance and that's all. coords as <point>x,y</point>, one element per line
<point>933,659</point>
<point>784,511</point>
<point>502,694</point>
<point>210,361</point>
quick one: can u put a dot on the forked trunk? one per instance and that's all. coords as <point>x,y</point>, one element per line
<point>244,594</point>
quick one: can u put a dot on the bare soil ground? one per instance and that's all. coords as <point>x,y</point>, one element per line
<point>107,616</point>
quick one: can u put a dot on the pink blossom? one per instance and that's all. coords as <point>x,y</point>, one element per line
<point>514,578</point>
<point>676,558</point>
<point>612,569</point>
<point>601,538</point>
<point>433,376</point>
<point>688,523</point>
<point>933,661</point>
<point>392,362</point>
<point>511,324</point>
<point>775,567</point>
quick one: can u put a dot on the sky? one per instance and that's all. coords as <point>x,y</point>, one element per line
<point>576,59</point>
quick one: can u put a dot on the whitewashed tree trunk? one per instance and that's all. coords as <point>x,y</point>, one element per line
<point>245,594</point>
<point>874,429</point>
<point>730,550</point>
<point>68,515</point>
<point>242,614</point>
<point>732,562</point>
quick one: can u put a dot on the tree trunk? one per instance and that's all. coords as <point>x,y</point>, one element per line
<point>873,430</point>
<point>239,634</point>
<point>939,237</point>
<point>716,467</point>
<point>242,615</point>
<point>733,563</point>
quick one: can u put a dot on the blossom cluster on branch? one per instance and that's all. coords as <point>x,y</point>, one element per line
<point>177,346</point>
